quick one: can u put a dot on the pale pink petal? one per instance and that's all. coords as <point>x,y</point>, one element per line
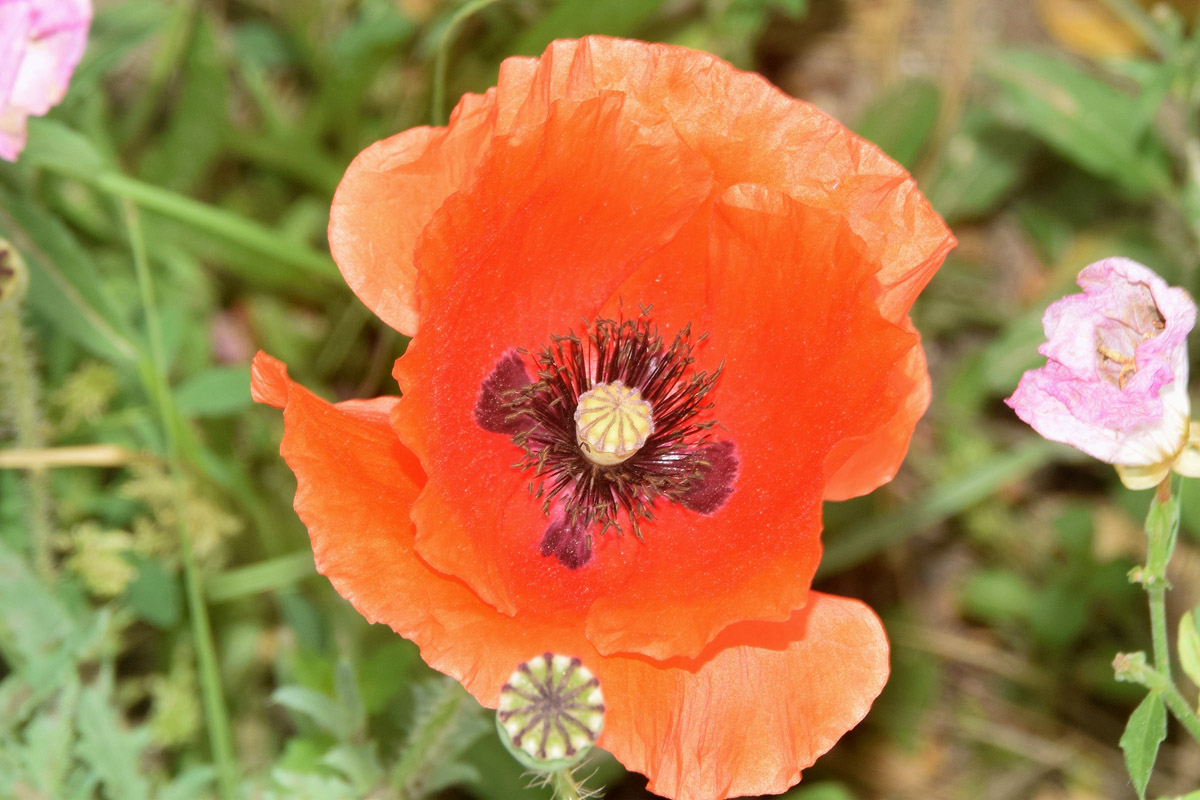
<point>41,42</point>
<point>16,22</point>
<point>1115,381</point>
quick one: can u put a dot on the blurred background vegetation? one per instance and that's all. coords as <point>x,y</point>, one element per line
<point>172,213</point>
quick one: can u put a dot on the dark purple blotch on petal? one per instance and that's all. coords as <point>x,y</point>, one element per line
<point>492,410</point>
<point>718,469</point>
<point>570,544</point>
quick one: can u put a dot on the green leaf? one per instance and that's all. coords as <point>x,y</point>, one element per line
<point>792,8</point>
<point>64,287</point>
<point>819,791</point>
<point>384,672</point>
<point>349,700</point>
<point>1097,126</point>
<point>1060,614</point>
<point>113,752</point>
<point>194,783</point>
<point>506,779</point>
<point>33,622</point>
<point>117,30</point>
<point>442,729</point>
<point>51,142</point>
<point>901,120</point>
<point>980,480</point>
<point>1189,645</point>
<point>45,675</point>
<point>49,738</point>
<point>378,28</point>
<point>198,123</point>
<point>357,763</point>
<point>311,787</point>
<point>451,773</point>
<point>570,19</point>
<point>1145,732</point>
<point>998,596</point>
<point>154,595</point>
<point>319,708</point>
<point>215,392</point>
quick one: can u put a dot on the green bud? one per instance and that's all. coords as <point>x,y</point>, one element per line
<point>551,712</point>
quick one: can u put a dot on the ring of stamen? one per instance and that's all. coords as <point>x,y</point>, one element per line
<point>610,422</point>
<point>665,464</point>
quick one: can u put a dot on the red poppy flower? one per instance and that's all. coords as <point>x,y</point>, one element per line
<point>641,235</point>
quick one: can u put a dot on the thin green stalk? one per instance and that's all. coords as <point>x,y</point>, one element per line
<point>216,221</point>
<point>1183,712</point>
<point>155,374</point>
<point>1158,629</point>
<point>1162,526</point>
<point>438,109</point>
<point>19,380</point>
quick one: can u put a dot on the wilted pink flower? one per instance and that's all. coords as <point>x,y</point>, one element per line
<point>1115,381</point>
<point>41,41</point>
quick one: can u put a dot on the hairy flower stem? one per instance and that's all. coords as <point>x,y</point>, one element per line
<point>154,375</point>
<point>428,739</point>
<point>1158,630</point>
<point>19,383</point>
<point>565,786</point>
<point>1182,711</point>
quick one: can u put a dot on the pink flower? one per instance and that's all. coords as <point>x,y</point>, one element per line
<point>41,41</point>
<point>1115,381</point>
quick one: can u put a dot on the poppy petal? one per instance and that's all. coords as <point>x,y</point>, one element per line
<point>751,132</point>
<point>388,195</point>
<point>860,464</point>
<point>770,699</point>
<point>570,207</point>
<point>355,487</point>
